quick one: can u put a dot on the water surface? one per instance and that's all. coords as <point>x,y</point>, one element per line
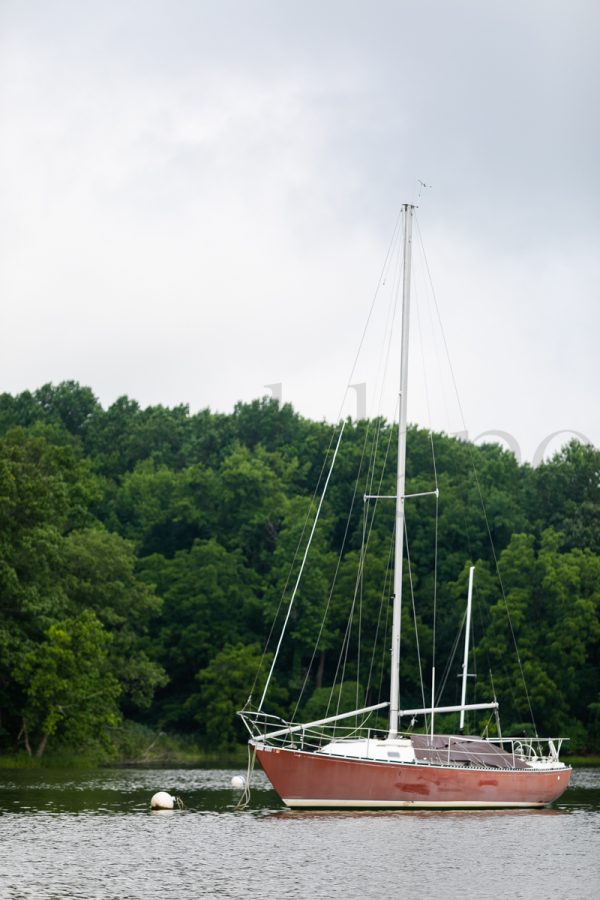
<point>92,835</point>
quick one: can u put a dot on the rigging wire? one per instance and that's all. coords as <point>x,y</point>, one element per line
<point>450,660</point>
<point>417,307</point>
<point>394,260</point>
<point>412,596</point>
<point>474,664</point>
<point>384,599</point>
<point>435,549</point>
<point>359,630</point>
<point>360,570</point>
<point>364,547</point>
<point>293,597</point>
<point>384,648</point>
<point>380,283</point>
<point>392,310</point>
<point>345,648</point>
<point>290,570</point>
<point>461,510</point>
<point>334,580</point>
<point>477,482</point>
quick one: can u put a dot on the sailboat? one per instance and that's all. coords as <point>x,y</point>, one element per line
<point>312,765</point>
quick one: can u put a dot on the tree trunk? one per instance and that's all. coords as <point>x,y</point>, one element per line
<point>320,670</point>
<point>25,734</point>
<point>42,746</point>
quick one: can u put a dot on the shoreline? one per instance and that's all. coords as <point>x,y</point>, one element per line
<point>225,760</point>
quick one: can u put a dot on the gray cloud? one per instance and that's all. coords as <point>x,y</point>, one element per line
<point>196,200</point>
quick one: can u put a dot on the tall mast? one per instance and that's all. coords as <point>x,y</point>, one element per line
<point>400,478</point>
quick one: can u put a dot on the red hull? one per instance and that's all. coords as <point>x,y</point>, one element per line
<point>313,780</point>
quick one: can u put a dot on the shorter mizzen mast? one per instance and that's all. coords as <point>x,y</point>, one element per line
<point>465,674</point>
<point>400,479</point>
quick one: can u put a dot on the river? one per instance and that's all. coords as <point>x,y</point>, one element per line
<point>91,834</point>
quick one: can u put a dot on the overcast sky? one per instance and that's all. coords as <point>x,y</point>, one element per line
<point>196,198</point>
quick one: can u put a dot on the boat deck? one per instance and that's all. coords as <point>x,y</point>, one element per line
<point>444,749</point>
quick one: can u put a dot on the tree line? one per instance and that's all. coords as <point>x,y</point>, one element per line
<point>147,556</point>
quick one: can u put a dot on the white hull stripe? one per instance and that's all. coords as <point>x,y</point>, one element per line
<point>389,804</point>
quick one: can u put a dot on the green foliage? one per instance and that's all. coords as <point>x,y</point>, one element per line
<point>58,563</point>
<point>69,689</point>
<point>164,510</point>
<point>209,600</point>
<point>331,701</point>
<point>99,575</point>
<point>224,688</point>
<point>167,544</point>
<point>552,599</point>
<point>565,493</point>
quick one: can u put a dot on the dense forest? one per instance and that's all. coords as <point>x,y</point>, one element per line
<point>147,558</point>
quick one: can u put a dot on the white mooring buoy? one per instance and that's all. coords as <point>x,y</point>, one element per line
<point>238,781</point>
<point>162,800</point>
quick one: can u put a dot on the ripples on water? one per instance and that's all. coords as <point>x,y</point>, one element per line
<point>92,835</point>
